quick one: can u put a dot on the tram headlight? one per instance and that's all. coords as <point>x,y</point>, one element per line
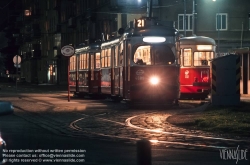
<point>154,80</point>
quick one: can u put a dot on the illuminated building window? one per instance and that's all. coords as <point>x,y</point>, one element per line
<point>27,12</point>
<point>181,22</point>
<point>221,21</point>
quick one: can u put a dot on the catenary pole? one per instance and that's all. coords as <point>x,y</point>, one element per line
<point>194,18</point>
<point>149,8</point>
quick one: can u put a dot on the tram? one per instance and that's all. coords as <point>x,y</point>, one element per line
<point>84,72</point>
<point>141,65</point>
<point>195,56</point>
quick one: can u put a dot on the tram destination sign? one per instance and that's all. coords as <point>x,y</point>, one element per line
<point>68,50</point>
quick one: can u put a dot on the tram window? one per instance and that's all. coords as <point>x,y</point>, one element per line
<point>162,55</point>
<point>187,57</point>
<point>108,56</point>
<point>103,58</point>
<point>142,55</point>
<point>97,60</point>
<point>212,54</point>
<point>121,57</point>
<point>116,56</point>
<point>202,58</point>
<point>121,54</point>
<point>85,61</point>
<point>72,63</point>
<point>81,61</point>
<point>154,55</point>
<point>92,61</point>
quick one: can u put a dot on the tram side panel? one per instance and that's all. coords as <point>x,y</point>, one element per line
<point>106,81</point>
<point>115,72</point>
<point>126,69</point>
<point>115,83</point>
<point>91,72</point>
<point>115,79</point>
<point>72,81</point>
<point>195,82</point>
<point>83,81</point>
<point>105,71</point>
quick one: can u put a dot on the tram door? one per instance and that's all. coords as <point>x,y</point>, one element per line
<point>121,69</point>
<point>91,72</point>
<point>77,72</point>
<point>115,71</point>
<point>127,70</point>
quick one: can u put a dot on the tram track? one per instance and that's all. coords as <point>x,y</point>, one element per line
<point>124,129</point>
<point>185,143</point>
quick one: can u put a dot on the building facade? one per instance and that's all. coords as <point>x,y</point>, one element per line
<point>40,28</point>
<point>227,21</point>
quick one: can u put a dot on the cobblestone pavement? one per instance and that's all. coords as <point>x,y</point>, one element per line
<point>49,108</point>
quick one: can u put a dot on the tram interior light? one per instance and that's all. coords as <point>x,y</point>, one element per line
<point>204,47</point>
<point>154,80</point>
<point>154,39</point>
<point>154,141</point>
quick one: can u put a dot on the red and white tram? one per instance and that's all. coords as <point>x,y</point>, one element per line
<point>195,80</point>
<point>140,66</point>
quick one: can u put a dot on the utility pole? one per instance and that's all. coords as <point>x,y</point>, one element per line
<point>194,18</point>
<point>218,29</point>
<point>149,8</point>
<point>185,18</point>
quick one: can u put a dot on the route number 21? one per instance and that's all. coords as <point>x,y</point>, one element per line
<point>140,23</point>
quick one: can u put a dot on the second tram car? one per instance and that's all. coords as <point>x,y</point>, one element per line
<point>139,66</point>
<point>196,53</point>
<point>84,71</point>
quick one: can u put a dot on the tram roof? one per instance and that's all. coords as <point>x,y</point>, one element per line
<point>197,40</point>
<point>111,42</point>
<point>90,48</point>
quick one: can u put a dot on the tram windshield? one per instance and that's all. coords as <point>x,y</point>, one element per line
<point>202,58</point>
<point>154,55</point>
